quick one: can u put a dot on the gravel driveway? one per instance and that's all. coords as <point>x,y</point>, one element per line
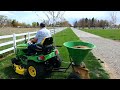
<point>106,50</point>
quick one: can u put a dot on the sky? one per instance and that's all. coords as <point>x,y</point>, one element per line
<point>71,16</point>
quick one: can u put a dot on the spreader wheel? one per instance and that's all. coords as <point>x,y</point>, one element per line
<point>73,76</point>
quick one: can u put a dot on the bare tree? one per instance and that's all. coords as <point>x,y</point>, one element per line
<point>54,16</point>
<point>3,20</point>
<point>113,18</point>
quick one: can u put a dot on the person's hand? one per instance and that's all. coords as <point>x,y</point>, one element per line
<point>29,42</point>
<point>32,41</point>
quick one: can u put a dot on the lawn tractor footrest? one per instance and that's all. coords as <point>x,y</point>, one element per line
<point>60,70</point>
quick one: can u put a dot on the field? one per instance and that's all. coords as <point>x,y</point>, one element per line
<point>10,30</point>
<point>113,34</point>
<point>94,66</point>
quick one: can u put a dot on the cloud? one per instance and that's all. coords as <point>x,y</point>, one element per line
<point>7,13</point>
<point>84,14</point>
<point>33,17</point>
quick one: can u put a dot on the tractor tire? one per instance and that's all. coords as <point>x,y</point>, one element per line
<point>73,76</point>
<point>35,70</point>
<point>57,62</point>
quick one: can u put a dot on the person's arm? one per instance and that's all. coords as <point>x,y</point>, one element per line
<point>34,40</point>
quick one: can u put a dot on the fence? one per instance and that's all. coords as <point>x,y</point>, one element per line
<point>14,41</point>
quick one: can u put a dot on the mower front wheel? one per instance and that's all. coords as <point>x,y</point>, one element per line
<point>35,70</point>
<point>15,61</point>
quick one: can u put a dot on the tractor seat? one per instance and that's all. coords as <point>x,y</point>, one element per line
<point>47,41</point>
<point>46,45</point>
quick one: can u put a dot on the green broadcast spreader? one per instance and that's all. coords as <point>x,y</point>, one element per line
<point>78,50</point>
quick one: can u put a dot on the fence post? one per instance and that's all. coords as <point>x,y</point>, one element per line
<point>28,36</point>
<point>14,42</point>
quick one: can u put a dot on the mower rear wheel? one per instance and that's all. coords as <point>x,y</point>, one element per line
<point>57,61</point>
<point>35,70</point>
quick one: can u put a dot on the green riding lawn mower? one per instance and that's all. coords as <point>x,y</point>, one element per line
<point>39,64</point>
<point>47,59</point>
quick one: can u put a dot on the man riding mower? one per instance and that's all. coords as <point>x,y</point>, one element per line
<point>38,64</point>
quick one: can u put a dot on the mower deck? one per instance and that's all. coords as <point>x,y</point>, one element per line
<point>18,69</point>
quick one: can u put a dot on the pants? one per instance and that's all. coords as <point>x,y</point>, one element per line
<point>32,49</point>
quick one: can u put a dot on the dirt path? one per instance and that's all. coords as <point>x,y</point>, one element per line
<point>106,50</point>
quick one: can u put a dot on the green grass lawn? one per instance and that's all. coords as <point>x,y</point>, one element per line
<point>113,34</point>
<point>95,67</point>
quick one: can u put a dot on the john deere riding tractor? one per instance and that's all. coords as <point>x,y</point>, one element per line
<point>37,65</point>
